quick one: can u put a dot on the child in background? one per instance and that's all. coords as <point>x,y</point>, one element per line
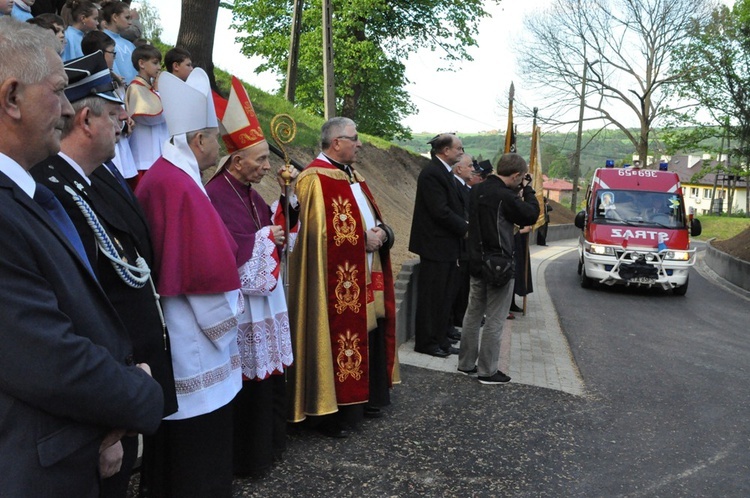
<point>178,62</point>
<point>84,19</point>
<point>144,106</point>
<point>6,7</point>
<point>115,17</point>
<point>54,23</point>
<point>22,9</point>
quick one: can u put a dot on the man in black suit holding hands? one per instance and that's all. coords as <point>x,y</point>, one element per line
<point>98,208</point>
<point>68,383</point>
<point>438,226</point>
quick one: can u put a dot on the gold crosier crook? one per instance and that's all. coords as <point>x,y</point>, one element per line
<point>283,131</point>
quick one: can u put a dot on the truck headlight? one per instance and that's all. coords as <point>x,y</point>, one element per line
<point>602,250</point>
<point>678,255</point>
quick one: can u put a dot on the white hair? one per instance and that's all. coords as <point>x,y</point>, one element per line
<point>23,50</point>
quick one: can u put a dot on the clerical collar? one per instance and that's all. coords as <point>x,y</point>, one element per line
<point>343,167</point>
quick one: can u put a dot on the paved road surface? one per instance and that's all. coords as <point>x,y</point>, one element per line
<point>669,380</point>
<point>655,404</point>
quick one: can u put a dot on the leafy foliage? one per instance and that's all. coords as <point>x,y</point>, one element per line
<point>619,49</point>
<point>150,21</point>
<point>371,39</point>
<point>716,64</point>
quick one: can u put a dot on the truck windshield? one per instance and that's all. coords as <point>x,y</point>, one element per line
<point>638,208</point>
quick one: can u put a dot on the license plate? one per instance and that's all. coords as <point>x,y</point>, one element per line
<point>642,280</point>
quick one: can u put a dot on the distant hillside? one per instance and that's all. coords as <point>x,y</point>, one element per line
<point>557,148</point>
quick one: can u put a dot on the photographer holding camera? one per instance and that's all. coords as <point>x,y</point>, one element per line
<point>494,208</point>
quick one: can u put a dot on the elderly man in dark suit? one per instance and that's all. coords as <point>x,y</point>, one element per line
<point>69,387</point>
<point>438,226</point>
<point>112,246</point>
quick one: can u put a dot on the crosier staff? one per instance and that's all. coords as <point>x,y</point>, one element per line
<point>283,131</point>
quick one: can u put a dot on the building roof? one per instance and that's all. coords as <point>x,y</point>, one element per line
<point>557,184</point>
<point>689,167</point>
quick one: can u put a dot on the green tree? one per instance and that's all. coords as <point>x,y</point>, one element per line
<point>625,47</point>
<point>371,41</point>
<point>716,62</point>
<point>150,21</point>
<point>555,163</point>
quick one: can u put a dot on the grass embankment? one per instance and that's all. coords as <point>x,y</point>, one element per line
<point>722,227</point>
<point>267,106</point>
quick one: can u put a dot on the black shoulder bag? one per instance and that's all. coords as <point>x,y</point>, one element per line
<point>497,266</point>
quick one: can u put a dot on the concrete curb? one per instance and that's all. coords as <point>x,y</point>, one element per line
<point>728,267</point>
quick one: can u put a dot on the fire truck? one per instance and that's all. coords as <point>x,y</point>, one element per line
<point>635,230</point>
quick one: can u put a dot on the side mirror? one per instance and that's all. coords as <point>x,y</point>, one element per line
<point>580,220</point>
<point>695,227</point>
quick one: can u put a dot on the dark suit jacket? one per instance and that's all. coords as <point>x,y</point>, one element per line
<point>438,223</point>
<point>136,307</point>
<point>465,191</point>
<point>494,209</point>
<point>65,379</point>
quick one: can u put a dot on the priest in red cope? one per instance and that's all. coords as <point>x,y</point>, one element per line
<point>263,339</point>
<point>341,291</point>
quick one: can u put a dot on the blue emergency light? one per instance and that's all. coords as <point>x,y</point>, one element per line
<point>663,166</point>
<point>610,163</point>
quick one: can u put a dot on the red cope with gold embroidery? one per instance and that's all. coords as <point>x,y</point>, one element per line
<point>347,291</point>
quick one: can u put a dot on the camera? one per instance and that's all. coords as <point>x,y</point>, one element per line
<point>527,178</point>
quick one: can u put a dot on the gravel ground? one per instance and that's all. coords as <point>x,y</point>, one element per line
<point>443,435</point>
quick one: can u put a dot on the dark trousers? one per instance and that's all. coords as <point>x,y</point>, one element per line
<point>380,392</point>
<point>541,235</point>
<point>436,291</point>
<point>259,412</point>
<point>462,295</point>
<point>192,458</point>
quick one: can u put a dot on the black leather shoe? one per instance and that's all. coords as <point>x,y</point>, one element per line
<point>333,429</point>
<point>372,412</point>
<point>452,341</point>
<point>437,352</point>
<point>451,350</point>
<point>454,335</point>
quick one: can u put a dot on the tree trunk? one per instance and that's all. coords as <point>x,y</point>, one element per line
<point>350,103</point>
<point>643,147</point>
<point>197,30</point>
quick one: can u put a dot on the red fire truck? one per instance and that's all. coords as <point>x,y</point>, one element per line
<point>635,230</point>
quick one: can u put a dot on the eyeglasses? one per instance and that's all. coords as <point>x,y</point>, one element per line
<point>114,54</point>
<point>355,138</point>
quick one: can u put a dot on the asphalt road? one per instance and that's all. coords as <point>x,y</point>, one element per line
<point>665,414</point>
<point>668,378</point>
